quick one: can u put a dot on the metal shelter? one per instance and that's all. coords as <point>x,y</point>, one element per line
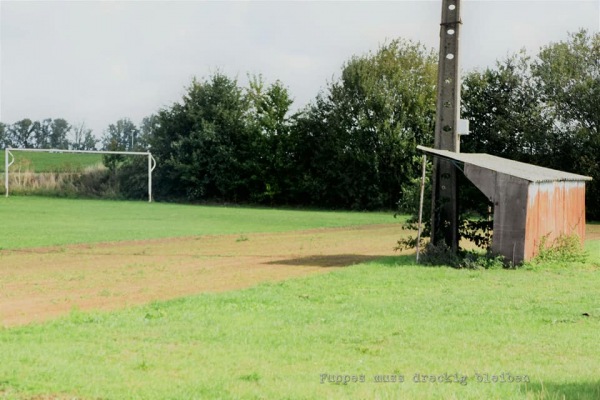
<point>530,202</point>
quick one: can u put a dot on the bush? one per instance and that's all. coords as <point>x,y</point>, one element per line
<point>95,183</point>
<point>441,254</point>
<point>565,248</point>
<point>473,260</point>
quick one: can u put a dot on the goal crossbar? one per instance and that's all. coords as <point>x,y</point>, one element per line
<point>9,159</point>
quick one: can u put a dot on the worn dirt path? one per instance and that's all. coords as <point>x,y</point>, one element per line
<point>39,284</point>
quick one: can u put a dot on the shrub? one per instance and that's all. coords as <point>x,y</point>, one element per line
<point>565,248</point>
<point>441,254</point>
<point>473,260</point>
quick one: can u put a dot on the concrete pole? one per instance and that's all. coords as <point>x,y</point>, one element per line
<point>444,222</point>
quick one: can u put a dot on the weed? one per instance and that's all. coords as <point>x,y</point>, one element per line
<point>564,249</point>
<point>253,377</point>
<point>441,254</point>
<point>487,260</point>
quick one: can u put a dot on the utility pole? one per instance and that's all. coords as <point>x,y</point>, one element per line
<point>444,222</point>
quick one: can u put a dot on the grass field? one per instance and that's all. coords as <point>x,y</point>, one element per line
<point>53,162</point>
<point>351,333</point>
<point>38,221</point>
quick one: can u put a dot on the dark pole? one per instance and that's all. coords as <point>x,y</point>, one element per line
<point>444,222</point>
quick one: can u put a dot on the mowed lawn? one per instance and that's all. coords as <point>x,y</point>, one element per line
<point>383,330</point>
<point>40,221</point>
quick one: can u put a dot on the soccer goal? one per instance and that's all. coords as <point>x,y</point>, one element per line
<point>9,160</point>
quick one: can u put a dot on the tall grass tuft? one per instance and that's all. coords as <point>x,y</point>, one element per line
<point>91,181</point>
<point>563,249</point>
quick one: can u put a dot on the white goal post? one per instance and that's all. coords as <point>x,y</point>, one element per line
<point>9,159</point>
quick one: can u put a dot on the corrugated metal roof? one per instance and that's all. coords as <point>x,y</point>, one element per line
<point>529,172</point>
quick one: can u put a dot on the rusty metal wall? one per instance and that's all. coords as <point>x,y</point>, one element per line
<point>525,212</point>
<point>553,209</point>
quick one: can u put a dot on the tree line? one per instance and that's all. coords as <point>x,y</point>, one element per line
<point>544,110</point>
<point>47,134</point>
<point>354,145</point>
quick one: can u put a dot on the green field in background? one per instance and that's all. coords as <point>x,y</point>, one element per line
<point>45,221</point>
<point>52,162</point>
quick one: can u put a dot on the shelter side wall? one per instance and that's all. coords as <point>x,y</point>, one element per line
<point>484,179</point>
<point>510,215</point>
<point>509,196</point>
<point>554,209</point>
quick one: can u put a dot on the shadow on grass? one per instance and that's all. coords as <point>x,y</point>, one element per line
<point>570,390</point>
<point>328,261</point>
<point>345,260</point>
<point>396,261</point>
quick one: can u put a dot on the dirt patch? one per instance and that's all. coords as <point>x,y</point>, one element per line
<point>39,284</point>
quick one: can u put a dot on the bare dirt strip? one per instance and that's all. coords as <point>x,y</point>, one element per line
<point>43,283</point>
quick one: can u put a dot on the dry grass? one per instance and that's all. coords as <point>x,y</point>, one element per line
<point>24,180</point>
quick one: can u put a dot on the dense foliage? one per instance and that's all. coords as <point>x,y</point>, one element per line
<point>46,134</point>
<point>206,147</point>
<point>354,146</point>
<point>543,110</point>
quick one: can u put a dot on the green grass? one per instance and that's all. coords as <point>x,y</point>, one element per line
<point>276,340</point>
<point>285,340</point>
<point>39,221</point>
<point>53,162</point>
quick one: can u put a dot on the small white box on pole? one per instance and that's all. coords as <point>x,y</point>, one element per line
<point>463,127</point>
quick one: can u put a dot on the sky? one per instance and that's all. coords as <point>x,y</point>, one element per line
<point>95,62</point>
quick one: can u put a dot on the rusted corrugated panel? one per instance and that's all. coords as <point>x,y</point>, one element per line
<point>553,209</point>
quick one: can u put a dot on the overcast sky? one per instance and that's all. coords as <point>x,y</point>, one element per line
<point>97,62</point>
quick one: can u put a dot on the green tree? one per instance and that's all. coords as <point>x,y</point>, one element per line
<point>112,161</point>
<point>147,128</point>
<point>269,118</point>
<point>542,110</point>
<point>41,132</point>
<point>83,139</point>
<point>45,134</point>
<point>59,132</point>
<point>121,136</point>
<point>203,146</point>
<point>132,175</point>
<point>568,78</point>
<point>21,133</point>
<point>507,114</point>
<point>356,145</point>
<point>4,138</point>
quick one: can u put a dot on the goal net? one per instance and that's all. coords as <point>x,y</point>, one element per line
<point>56,171</point>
